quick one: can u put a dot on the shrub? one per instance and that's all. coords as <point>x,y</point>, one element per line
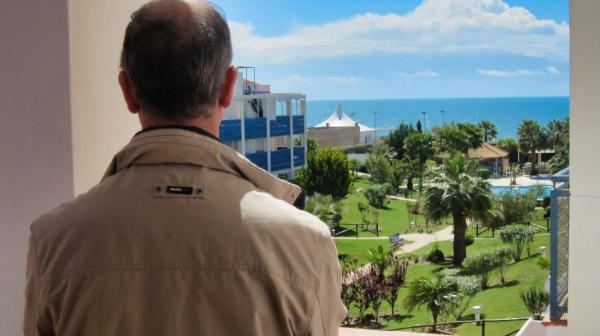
<point>502,259</point>
<point>543,262</point>
<point>535,301</point>
<point>376,194</point>
<point>396,277</point>
<point>468,286</point>
<point>436,255</point>
<point>517,208</point>
<point>326,208</point>
<point>327,171</point>
<point>481,264</point>
<point>520,237</point>
<point>484,173</point>
<point>469,240</point>
<point>379,169</point>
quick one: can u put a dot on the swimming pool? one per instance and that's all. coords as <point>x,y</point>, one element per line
<point>542,190</point>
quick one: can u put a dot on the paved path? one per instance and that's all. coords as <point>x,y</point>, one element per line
<point>417,240</point>
<point>367,332</point>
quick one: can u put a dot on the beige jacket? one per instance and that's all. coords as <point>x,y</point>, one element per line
<point>183,236</point>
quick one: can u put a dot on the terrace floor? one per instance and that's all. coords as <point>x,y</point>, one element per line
<point>367,332</point>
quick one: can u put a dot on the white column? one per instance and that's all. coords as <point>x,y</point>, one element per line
<point>288,107</point>
<point>584,273</point>
<point>268,140</point>
<point>305,134</point>
<point>243,126</point>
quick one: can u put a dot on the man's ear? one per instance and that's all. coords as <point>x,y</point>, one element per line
<point>226,94</point>
<point>133,105</point>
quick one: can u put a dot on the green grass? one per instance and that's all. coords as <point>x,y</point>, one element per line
<point>497,301</point>
<point>392,219</point>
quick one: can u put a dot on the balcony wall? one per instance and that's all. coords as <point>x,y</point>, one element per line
<point>280,159</point>
<point>256,128</point>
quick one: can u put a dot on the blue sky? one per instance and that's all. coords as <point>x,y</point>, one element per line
<point>359,49</point>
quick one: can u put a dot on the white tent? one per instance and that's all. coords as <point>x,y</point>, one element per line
<point>340,119</point>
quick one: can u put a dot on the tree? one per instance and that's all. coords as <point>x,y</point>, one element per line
<point>396,139</point>
<point>419,147</point>
<point>450,139</point>
<point>419,126</point>
<point>376,194</point>
<point>503,258</point>
<point>457,190</point>
<point>557,132</point>
<point>520,237</point>
<point>516,208</point>
<point>489,130</point>
<point>481,264</point>
<point>511,146</point>
<point>311,143</point>
<point>531,137</point>
<point>378,166</point>
<point>397,175</point>
<point>434,294</point>
<point>327,171</point>
<point>474,133</point>
<point>560,160</point>
<point>395,279</point>
<point>326,208</point>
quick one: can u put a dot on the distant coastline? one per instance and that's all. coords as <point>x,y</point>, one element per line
<point>505,112</point>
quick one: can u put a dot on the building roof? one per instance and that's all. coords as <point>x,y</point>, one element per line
<point>340,119</point>
<point>487,151</point>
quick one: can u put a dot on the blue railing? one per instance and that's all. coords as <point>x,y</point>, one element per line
<point>256,128</point>
<point>280,159</point>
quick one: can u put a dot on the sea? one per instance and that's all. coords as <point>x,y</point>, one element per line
<point>386,114</point>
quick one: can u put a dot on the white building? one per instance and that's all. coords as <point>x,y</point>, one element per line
<point>268,128</point>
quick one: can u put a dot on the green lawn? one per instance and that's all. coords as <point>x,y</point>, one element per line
<point>392,219</point>
<point>497,301</point>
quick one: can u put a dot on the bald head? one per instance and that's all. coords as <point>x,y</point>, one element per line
<point>176,55</point>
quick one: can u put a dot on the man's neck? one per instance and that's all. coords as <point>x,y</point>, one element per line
<point>210,125</point>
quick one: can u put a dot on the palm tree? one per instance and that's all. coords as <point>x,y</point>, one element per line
<point>531,137</point>
<point>457,190</point>
<point>434,294</point>
<point>557,132</point>
<point>419,147</point>
<point>489,130</point>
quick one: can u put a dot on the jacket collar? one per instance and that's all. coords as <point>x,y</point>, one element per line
<point>179,146</point>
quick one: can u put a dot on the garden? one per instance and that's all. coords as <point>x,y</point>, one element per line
<point>417,183</point>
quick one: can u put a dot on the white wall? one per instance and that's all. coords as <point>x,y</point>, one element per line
<point>101,122</point>
<point>35,140</point>
<point>584,267</point>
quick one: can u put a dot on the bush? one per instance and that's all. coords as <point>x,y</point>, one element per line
<point>326,208</point>
<point>379,168</point>
<point>535,301</point>
<point>469,240</point>
<point>327,171</point>
<point>543,262</point>
<point>436,256</point>
<point>376,194</point>
<point>481,265</point>
<point>503,256</point>
<point>484,173</point>
<point>520,237</point>
<point>517,208</point>
<point>467,288</point>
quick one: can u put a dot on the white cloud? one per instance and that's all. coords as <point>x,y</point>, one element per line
<point>496,73</point>
<point>435,26</point>
<point>526,72</point>
<point>506,73</point>
<point>426,73</point>
<point>330,79</point>
<point>552,70</point>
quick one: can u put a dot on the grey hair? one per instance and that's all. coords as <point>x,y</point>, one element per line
<point>176,56</point>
